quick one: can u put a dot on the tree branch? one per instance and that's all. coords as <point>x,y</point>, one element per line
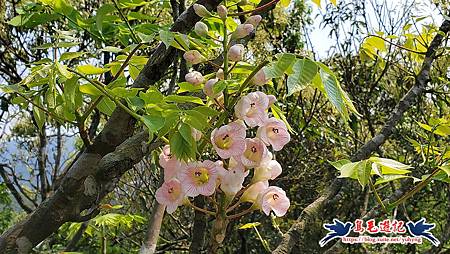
<point>297,234</point>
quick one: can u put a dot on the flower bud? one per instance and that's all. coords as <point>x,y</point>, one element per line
<point>220,75</point>
<point>242,30</point>
<point>254,20</point>
<point>201,11</point>
<point>208,88</point>
<point>236,52</point>
<point>222,12</point>
<point>272,99</point>
<point>201,29</point>
<point>260,78</point>
<point>196,134</point>
<point>195,78</point>
<point>193,57</point>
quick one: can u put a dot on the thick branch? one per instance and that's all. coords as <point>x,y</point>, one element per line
<point>297,234</point>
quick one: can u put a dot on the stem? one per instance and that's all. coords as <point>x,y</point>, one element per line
<point>107,94</point>
<point>415,190</point>
<point>264,242</point>
<point>201,209</point>
<point>377,196</point>
<point>122,68</point>
<point>225,59</point>
<point>238,215</point>
<point>133,35</point>
<point>273,2</point>
<point>45,110</point>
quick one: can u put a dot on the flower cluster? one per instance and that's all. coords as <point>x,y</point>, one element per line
<point>240,155</point>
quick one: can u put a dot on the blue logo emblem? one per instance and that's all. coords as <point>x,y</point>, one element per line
<point>337,230</point>
<point>421,228</point>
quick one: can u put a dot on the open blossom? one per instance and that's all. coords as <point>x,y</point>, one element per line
<point>170,194</point>
<point>236,52</point>
<point>255,153</point>
<point>231,180</point>
<point>195,78</point>
<point>193,57</point>
<point>169,163</point>
<point>199,178</point>
<point>201,11</point>
<point>275,133</point>
<point>201,29</point>
<point>252,108</point>
<point>229,140</point>
<point>274,199</point>
<point>260,78</point>
<point>208,88</point>
<point>268,170</point>
<point>242,30</point>
<point>252,193</point>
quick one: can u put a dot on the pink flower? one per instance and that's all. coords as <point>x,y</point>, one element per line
<point>208,88</point>
<point>260,78</point>
<point>194,77</point>
<point>169,163</point>
<point>199,178</point>
<point>275,133</point>
<point>196,134</point>
<point>231,180</point>
<point>251,194</point>
<point>268,170</point>
<point>255,153</point>
<point>236,52</point>
<point>274,199</point>
<point>170,194</point>
<point>229,140</point>
<point>252,108</point>
<point>254,20</point>
<point>193,57</point>
<point>242,30</point>
<point>222,12</point>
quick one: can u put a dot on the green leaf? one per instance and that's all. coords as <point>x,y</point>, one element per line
<point>333,90</point>
<point>446,169</point>
<point>101,13</point>
<point>91,70</point>
<point>196,119</point>
<point>18,20</point>
<point>171,119</point>
<point>363,169</point>
<point>106,106</point>
<point>70,55</point>
<point>279,67</point>
<point>166,37</point>
<point>182,143</point>
<point>62,69</point>
<point>187,87</point>
<point>389,178</point>
<point>183,99</point>
<point>90,89</point>
<point>349,170</point>
<point>304,70</point>
<point>152,96</point>
<point>39,115</point>
<point>153,122</point>
<point>389,163</point>
<point>123,92</point>
<point>338,164</point>
<point>205,110</point>
<point>376,42</point>
<point>70,90</point>
<point>220,86</point>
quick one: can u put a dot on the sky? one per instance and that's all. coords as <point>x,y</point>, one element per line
<point>322,42</point>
